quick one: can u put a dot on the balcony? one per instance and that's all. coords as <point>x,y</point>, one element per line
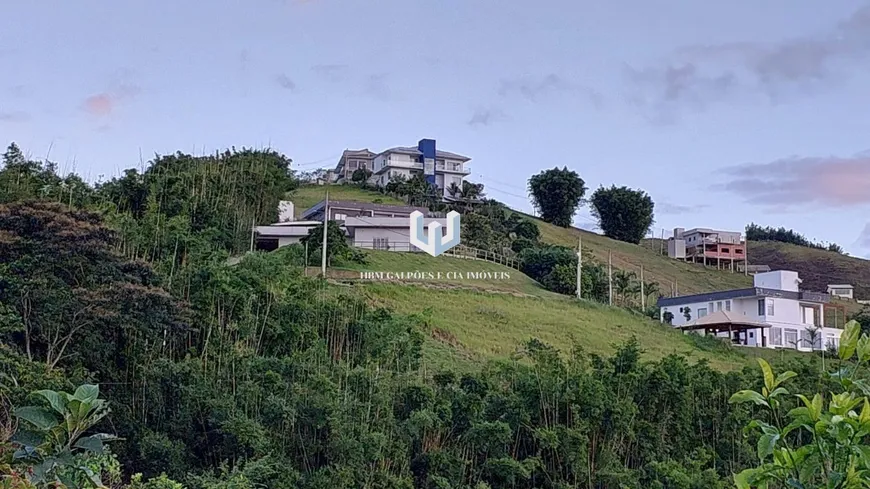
<point>451,167</point>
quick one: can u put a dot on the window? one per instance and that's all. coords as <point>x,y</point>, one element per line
<point>710,307</point>
<point>702,312</point>
<point>791,338</point>
<point>382,244</point>
<point>776,336</point>
<point>340,217</point>
<point>725,250</point>
<point>728,306</point>
<point>770,307</point>
<point>761,307</point>
<point>719,306</point>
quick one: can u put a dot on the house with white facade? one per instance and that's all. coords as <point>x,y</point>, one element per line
<point>844,291</point>
<point>774,313</point>
<point>440,168</point>
<point>365,225</point>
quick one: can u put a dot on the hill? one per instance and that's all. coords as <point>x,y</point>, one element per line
<point>474,319</point>
<point>669,274</point>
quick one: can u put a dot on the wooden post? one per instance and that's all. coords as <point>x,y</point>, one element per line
<point>609,278</point>
<point>642,295</point>
<point>579,266</point>
<point>325,229</point>
<point>253,228</point>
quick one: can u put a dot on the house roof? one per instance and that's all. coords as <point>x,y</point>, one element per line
<point>724,319</point>
<point>352,204</point>
<point>804,296</point>
<point>410,150</point>
<point>840,286</point>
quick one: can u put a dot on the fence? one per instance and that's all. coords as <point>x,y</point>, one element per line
<point>459,251</point>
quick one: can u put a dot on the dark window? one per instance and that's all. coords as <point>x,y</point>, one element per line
<point>761,307</point>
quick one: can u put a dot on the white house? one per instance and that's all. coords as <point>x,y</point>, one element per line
<point>441,168</point>
<point>842,290</point>
<point>774,313</point>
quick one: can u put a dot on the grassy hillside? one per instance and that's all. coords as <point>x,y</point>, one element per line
<point>817,268</point>
<point>494,277</point>
<point>471,320</point>
<point>308,195</point>
<point>688,278</point>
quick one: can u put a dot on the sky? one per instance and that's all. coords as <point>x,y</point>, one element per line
<point>726,113</point>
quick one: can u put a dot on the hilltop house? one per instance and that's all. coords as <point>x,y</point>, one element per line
<point>844,291</point>
<point>774,313</point>
<point>365,225</point>
<point>441,168</point>
<point>722,249</point>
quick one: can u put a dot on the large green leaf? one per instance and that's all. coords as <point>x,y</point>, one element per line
<point>748,396</point>
<point>90,443</point>
<point>57,400</point>
<point>769,381</point>
<point>766,444</point>
<point>849,340</point>
<point>40,417</point>
<point>87,393</point>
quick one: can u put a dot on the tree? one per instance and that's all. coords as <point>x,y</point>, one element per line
<point>527,229</point>
<point>557,194</point>
<point>623,213</point>
<point>71,292</point>
<point>336,243</point>
<point>360,175</point>
<point>668,317</point>
<point>687,313</point>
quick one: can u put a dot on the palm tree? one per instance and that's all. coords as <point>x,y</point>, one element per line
<point>622,283</point>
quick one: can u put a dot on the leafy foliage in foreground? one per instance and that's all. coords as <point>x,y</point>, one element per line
<point>820,442</point>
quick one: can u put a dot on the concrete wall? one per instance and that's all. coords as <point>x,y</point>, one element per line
<point>779,280</point>
<point>677,248</point>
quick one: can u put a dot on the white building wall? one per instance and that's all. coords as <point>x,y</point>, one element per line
<point>778,280</point>
<point>398,239</point>
<point>788,322</point>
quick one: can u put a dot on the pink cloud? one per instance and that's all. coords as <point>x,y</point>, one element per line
<point>798,182</point>
<point>105,103</point>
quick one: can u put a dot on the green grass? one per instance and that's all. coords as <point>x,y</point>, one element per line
<point>466,327</point>
<point>308,195</point>
<point>686,277</point>
<point>494,318</point>
<point>386,261</point>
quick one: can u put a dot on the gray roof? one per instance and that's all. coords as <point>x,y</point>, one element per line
<point>410,150</point>
<point>351,204</point>
<point>745,293</point>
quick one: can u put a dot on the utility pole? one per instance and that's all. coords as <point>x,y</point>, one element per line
<point>642,295</point>
<point>253,227</point>
<point>579,266</point>
<point>609,277</point>
<point>662,250</point>
<point>325,229</point>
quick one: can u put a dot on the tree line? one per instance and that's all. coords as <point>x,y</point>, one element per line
<point>133,355</point>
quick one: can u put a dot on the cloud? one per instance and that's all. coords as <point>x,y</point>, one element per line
<point>863,240</point>
<point>799,182</point>
<point>105,103</point>
<point>14,116</point>
<point>534,89</point>
<point>375,86</point>
<point>331,73</point>
<point>285,82</point>
<point>486,116</point>
<point>698,75</point>
<point>675,209</point>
